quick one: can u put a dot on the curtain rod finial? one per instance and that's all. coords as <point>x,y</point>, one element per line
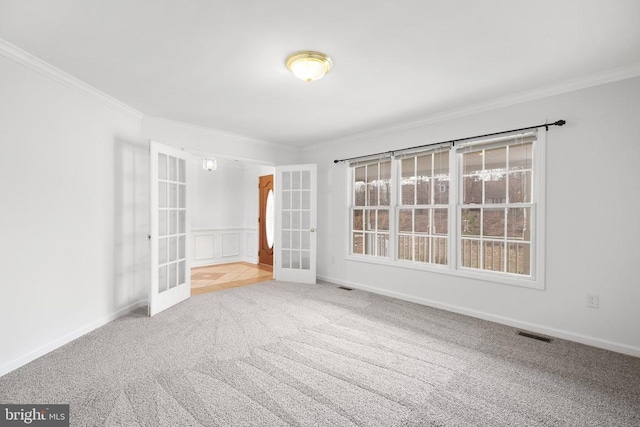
<point>336,161</point>
<point>560,123</point>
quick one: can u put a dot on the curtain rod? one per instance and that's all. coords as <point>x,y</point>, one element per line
<point>453,141</point>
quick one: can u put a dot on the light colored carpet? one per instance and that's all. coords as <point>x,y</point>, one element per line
<point>277,354</point>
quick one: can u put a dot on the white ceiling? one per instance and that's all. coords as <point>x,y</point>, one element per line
<point>220,64</point>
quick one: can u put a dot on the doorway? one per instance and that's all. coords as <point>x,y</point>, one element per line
<point>266,221</point>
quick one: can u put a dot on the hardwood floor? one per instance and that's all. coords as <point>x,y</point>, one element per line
<point>224,276</point>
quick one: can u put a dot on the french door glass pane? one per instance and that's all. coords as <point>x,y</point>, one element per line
<point>295,180</point>
<point>182,173</point>
<point>182,247</point>
<point>162,194</point>
<point>305,260</point>
<point>286,180</point>
<point>173,275</point>
<point>173,168</point>
<point>162,166</point>
<point>295,200</point>
<point>162,278</point>
<point>306,180</point>
<point>173,222</point>
<point>181,273</point>
<point>173,195</point>
<point>173,249</point>
<point>286,199</point>
<point>162,250</point>
<point>295,259</point>
<point>162,222</point>
<point>286,259</point>
<point>182,196</point>
<point>295,220</point>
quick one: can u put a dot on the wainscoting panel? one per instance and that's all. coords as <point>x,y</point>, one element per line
<point>230,244</point>
<point>217,246</point>
<point>203,247</point>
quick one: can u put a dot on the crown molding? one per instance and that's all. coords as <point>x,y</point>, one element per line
<point>584,82</point>
<point>28,60</point>
<point>221,133</point>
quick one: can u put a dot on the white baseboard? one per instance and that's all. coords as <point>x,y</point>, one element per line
<point>557,333</point>
<point>41,351</point>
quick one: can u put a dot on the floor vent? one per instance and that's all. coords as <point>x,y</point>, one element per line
<point>534,336</point>
<point>344,288</point>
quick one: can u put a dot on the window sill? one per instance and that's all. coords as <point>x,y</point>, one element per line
<point>449,271</point>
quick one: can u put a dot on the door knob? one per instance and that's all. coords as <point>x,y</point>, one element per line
<point>313,230</point>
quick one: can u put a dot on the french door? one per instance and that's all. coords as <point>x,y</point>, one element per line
<point>170,278</point>
<point>296,199</point>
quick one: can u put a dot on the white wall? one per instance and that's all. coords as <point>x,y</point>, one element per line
<point>593,229</point>
<point>218,196</point>
<point>74,214</point>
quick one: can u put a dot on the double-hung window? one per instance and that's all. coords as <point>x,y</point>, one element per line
<point>371,199</point>
<point>497,207</point>
<point>474,209</point>
<point>423,207</point>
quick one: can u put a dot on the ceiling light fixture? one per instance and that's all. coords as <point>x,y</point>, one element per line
<point>209,164</point>
<point>309,65</point>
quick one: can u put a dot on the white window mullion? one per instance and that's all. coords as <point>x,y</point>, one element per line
<point>393,201</point>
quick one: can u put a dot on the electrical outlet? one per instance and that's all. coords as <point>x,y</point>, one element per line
<point>593,300</point>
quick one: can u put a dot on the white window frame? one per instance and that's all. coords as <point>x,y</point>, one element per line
<point>365,208</point>
<point>538,203</point>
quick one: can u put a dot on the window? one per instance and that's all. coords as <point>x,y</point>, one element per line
<point>370,208</point>
<point>472,210</point>
<point>496,206</point>
<point>423,212</point>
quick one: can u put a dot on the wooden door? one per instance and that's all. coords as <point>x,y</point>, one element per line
<point>266,220</point>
